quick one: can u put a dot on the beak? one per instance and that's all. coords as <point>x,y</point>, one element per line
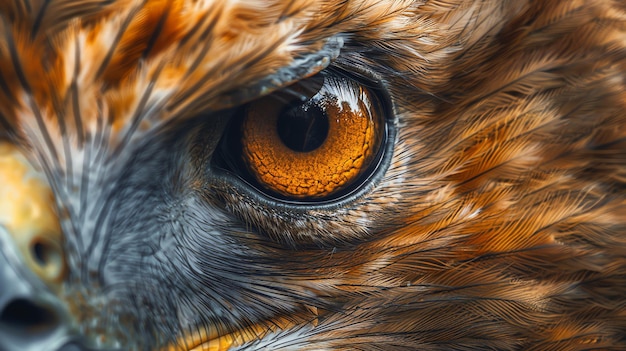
<point>32,265</point>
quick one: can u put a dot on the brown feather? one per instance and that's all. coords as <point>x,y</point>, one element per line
<point>501,222</point>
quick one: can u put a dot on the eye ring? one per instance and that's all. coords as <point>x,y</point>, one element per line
<point>346,121</point>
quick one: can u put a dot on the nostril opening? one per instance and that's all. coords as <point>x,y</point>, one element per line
<point>40,253</point>
<point>23,314</point>
<point>48,256</point>
<point>45,253</point>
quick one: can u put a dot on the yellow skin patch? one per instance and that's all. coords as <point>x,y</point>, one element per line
<point>352,140</point>
<point>27,214</point>
<point>203,340</point>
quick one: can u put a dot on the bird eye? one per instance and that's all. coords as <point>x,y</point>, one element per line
<point>317,139</point>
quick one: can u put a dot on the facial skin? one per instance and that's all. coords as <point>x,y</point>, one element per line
<point>484,208</point>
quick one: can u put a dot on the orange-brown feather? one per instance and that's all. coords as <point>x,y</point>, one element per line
<point>501,221</point>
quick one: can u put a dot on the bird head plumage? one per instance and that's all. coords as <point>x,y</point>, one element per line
<point>474,196</point>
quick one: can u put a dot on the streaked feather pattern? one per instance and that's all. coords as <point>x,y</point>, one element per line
<point>500,224</point>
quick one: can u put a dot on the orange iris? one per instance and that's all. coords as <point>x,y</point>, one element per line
<point>300,146</point>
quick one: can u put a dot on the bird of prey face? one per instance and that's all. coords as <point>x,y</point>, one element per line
<point>312,175</point>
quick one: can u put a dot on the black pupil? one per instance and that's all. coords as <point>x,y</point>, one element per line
<point>303,127</point>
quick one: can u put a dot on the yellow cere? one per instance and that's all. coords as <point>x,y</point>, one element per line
<point>28,215</point>
<point>352,141</point>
